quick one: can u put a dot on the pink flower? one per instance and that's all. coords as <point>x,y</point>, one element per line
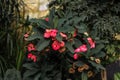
<point>62,44</point>
<point>47,33</point>
<point>77,50</point>
<point>75,56</point>
<point>82,48</point>
<point>75,33</point>
<point>63,35</point>
<point>47,19</point>
<point>91,42</point>
<point>29,55</point>
<point>50,33</point>
<point>31,47</point>
<point>34,58</point>
<point>26,35</point>
<point>53,32</point>
<point>56,45</point>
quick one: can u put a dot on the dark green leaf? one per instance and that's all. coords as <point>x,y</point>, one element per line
<point>100,54</point>
<point>60,22</point>
<point>84,76</point>
<point>82,28</point>
<point>77,42</point>
<point>42,44</point>
<point>29,73</point>
<point>12,74</point>
<point>30,66</point>
<point>37,77</point>
<point>66,29</point>
<point>59,38</point>
<point>40,23</point>
<point>97,66</point>
<point>97,49</point>
<point>70,47</point>
<point>79,63</point>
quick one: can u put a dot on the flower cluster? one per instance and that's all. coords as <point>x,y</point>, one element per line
<point>80,51</point>
<point>83,48</point>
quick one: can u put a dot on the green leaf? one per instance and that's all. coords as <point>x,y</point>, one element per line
<point>117,76</point>
<point>79,63</point>
<point>55,22</point>
<point>97,49</point>
<point>97,66</point>
<point>60,22</point>
<point>42,44</point>
<point>70,47</point>
<point>82,28</point>
<point>29,73</point>
<point>37,76</point>
<point>30,66</point>
<point>51,17</point>
<point>12,74</point>
<point>36,35</point>
<point>66,29</point>
<point>100,54</point>
<point>84,76</point>
<point>40,23</point>
<point>77,42</point>
<point>58,37</point>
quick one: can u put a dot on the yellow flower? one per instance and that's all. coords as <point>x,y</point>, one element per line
<point>74,66</point>
<point>92,58</point>
<point>61,50</point>
<point>90,73</point>
<point>86,67</point>
<point>80,69</point>
<point>71,70</point>
<point>97,61</point>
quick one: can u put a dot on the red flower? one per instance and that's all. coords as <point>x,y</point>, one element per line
<point>26,36</point>
<point>56,45</point>
<point>53,32</point>
<point>75,56</point>
<point>32,57</point>
<point>47,33</point>
<point>77,50</point>
<point>63,35</point>
<point>29,55</point>
<point>47,19</point>
<point>91,42</point>
<point>50,33</point>
<point>75,33</point>
<point>31,47</point>
<point>82,48</point>
<point>62,44</point>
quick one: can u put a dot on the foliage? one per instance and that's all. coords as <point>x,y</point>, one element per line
<point>113,52</point>
<point>60,48</point>
<point>116,76</point>
<point>101,17</point>
<point>12,74</point>
<point>11,31</point>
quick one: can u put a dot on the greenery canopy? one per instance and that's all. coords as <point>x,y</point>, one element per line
<point>101,16</point>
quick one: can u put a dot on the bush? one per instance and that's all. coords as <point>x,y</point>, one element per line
<point>70,43</point>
